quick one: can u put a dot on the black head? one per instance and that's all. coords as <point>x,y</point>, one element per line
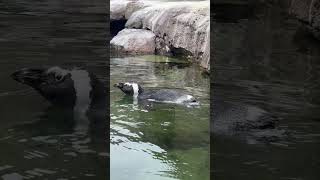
<point>129,88</point>
<point>55,83</point>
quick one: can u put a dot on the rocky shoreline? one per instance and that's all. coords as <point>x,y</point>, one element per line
<point>164,28</point>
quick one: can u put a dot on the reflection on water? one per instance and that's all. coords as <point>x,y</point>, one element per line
<point>166,141</point>
<point>49,135</point>
<point>263,58</point>
<point>32,132</point>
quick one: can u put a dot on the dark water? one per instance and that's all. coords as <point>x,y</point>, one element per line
<point>37,140</point>
<point>177,0</point>
<point>264,58</point>
<point>167,142</point>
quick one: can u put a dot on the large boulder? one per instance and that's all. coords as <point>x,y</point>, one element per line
<point>122,9</point>
<point>117,9</point>
<point>178,27</point>
<point>134,41</point>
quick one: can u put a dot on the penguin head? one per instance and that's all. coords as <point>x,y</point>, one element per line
<point>57,85</point>
<point>129,88</point>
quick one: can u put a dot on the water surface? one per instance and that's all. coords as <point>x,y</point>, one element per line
<point>38,140</point>
<point>265,58</point>
<point>167,142</point>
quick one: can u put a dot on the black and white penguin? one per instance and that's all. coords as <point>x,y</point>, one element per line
<point>78,110</point>
<point>74,89</point>
<point>87,97</point>
<point>160,95</point>
<point>228,119</point>
<point>241,120</point>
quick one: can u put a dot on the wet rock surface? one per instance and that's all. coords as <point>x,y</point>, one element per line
<point>177,26</point>
<point>134,41</point>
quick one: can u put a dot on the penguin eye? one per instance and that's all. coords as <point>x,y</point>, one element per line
<point>58,77</point>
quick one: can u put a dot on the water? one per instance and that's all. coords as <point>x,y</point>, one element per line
<point>264,58</point>
<point>38,140</point>
<point>166,142</point>
<point>175,0</point>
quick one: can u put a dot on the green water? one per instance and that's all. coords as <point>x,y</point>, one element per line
<point>166,142</point>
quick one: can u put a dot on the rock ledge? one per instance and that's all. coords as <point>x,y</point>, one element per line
<point>177,27</point>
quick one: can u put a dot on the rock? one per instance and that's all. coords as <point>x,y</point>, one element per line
<point>178,27</point>
<point>134,41</point>
<point>117,9</point>
<point>308,11</point>
<point>181,26</point>
<point>122,9</point>
<point>161,47</point>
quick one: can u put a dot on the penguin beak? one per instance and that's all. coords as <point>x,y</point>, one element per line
<point>31,77</point>
<point>118,85</point>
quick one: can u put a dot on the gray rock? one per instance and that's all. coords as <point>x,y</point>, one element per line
<point>134,41</point>
<point>117,9</point>
<point>122,9</point>
<point>177,26</point>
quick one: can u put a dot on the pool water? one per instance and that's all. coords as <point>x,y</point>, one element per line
<point>166,141</point>
<point>265,58</point>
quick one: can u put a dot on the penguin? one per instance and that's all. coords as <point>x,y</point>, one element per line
<point>171,96</point>
<point>244,121</point>
<point>75,121</point>
<point>63,87</point>
<point>71,89</point>
<point>86,95</point>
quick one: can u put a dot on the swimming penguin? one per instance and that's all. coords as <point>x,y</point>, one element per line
<point>159,95</point>
<point>75,89</point>
<point>241,120</point>
<point>64,87</point>
<point>87,96</point>
<point>77,118</point>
